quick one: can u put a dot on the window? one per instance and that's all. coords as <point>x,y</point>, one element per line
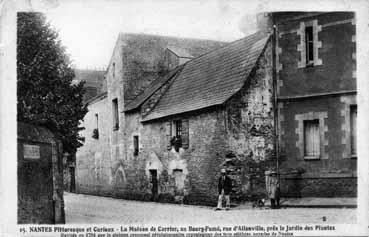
<point>115,114</point>
<point>309,43</point>
<point>177,133</point>
<point>353,138</point>
<point>97,121</point>
<point>311,139</point>
<point>135,145</point>
<point>95,133</point>
<point>177,139</point>
<point>178,127</point>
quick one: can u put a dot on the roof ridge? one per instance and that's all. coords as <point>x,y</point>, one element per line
<point>168,36</point>
<point>228,45</point>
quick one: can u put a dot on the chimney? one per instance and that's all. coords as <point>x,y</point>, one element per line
<point>264,22</point>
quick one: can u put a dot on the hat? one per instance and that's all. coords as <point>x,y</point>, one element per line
<point>223,170</point>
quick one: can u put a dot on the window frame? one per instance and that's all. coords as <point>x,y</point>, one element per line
<point>115,114</point>
<point>306,154</point>
<point>178,128</point>
<point>309,45</point>
<point>136,145</point>
<point>304,48</point>
<point>323,129</point>
<point>177,125</point>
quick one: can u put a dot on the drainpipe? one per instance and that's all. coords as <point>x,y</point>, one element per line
<point>275,94</point>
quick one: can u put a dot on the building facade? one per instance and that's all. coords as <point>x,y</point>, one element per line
<point>227,122</point>
<point>317,108</point>
<point>178,110</point>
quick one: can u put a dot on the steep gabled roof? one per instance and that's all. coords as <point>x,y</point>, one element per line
<point>154,86</point>
<point>142,57</point>
<point>211,79</point>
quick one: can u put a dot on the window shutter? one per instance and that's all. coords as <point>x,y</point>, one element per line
<point>169,134</point>
<point>185,134</point>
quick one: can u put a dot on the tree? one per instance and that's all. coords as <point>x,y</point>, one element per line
<point>46,95</point>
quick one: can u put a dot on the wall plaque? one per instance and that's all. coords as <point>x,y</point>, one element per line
<point>31,151</point>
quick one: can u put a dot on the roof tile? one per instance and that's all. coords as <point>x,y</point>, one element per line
<point>212,78</point>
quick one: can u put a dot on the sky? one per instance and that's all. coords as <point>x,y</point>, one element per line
<point>89,29</point>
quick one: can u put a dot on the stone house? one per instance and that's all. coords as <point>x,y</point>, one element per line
<point>317,108</point>
<point>217,101</point>
<point>177,110</point>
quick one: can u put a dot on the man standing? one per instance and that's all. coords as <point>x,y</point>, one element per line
<point>224,187</point>
<point>272,186</point>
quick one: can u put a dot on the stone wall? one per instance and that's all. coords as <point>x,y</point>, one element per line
<point>250,122</point>
<point>243,127</point>
<point>40,176</point>
<point>189,175</point>
<point>94,162</point>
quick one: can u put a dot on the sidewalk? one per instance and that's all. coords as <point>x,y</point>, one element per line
<point>319,202</point>
<point>308,202</point>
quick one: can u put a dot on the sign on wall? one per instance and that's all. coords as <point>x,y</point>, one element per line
<point>31,151</point>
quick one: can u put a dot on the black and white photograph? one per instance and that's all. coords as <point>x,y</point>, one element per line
<point>184,118</point>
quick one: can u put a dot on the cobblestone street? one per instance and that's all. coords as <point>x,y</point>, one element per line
<point>92,209</point>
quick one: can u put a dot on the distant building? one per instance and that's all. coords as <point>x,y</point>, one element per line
<point>95,82</point>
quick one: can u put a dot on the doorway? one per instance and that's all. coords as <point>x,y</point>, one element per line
<point>179,181</point>
<point>154,184</point>
<point>72,187</point>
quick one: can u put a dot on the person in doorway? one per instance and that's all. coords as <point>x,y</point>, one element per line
<point>224,188</point>
<point>273,190</point>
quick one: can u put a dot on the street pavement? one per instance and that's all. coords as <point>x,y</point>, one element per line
<point>88,209</point>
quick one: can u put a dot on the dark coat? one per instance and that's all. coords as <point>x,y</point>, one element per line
<point>226,185</point>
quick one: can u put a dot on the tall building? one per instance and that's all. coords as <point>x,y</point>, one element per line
<point>317,107</point>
